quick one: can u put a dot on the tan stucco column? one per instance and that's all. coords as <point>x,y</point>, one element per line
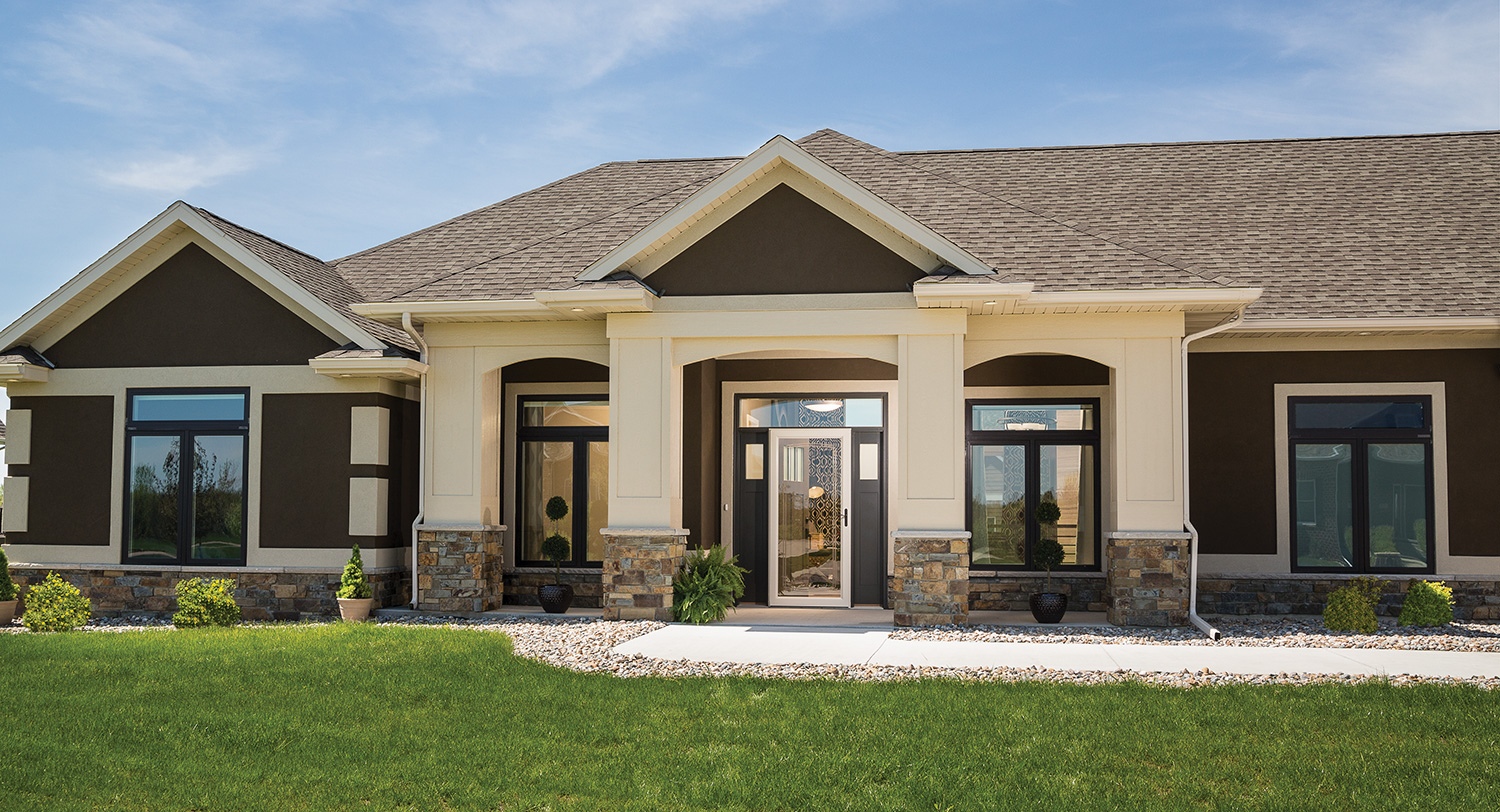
<point>1148,435</point>
<point>930,430</point>
<point>645,434</point>
<point>463,439</point>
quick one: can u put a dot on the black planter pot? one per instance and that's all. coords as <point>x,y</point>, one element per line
<point>555,598</point>
<point>1049,607</point>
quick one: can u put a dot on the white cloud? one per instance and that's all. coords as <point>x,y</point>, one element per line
<point>573,44</point>
<point>176,174</point>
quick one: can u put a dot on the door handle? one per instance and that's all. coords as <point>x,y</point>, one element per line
<point>846,517</point>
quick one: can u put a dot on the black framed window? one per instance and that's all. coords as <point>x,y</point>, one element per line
<point>562,449</point>
<point>1362,487</point>
<point>1033,473</point>
<point>185,455</point>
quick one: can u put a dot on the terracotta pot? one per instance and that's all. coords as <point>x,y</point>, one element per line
<point>7,612</point>
<point>1048,607</point>
<point>355,610</point>
<point>555,598</point>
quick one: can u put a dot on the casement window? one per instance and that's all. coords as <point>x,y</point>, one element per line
<point>185,453</point>
<point>1362,495</point>
<point>563,450</point>
<point>1033,473</point>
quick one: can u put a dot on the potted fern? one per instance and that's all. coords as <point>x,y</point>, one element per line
<point>1048,606</point>
<point>354,590</point>
<point>7,592</point>
<point>556,597</point>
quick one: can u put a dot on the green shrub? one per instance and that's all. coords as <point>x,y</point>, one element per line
<point>1428,603</point>
<point>1352,608</point>
<point>353,584</point>
<point>206,603</point>
<point>55,605</point>
<point>707,586</point>
<point>1047,554</point>
<point>556,547</point>
<point>7,586</point>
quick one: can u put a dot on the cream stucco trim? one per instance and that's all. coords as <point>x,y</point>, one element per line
<point>17,500</point>
<point>17,442</point>
<point>395,368</point>
<point>369,435</point>
<point>22,373</point>
<point>151,245</point>
<point>1281,562</point>
<point>369,503</point>
<point>779,152</point>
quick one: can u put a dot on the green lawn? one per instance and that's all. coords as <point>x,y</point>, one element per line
<point>339,717</point>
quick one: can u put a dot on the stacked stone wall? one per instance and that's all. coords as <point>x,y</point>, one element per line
<point>638,570</point>
<point>521,586</point>
<point>1307,594</point>
<point>261,594</point>
<point>1005,592</point>
<point>459,568</point>
<point>930,581</point>
<point>1146,578</point>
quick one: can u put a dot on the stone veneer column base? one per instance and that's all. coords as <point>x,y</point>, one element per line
<point>1146,578</point>
<point>639,565</point>
<point>930,582</point>
<point>459,567</point>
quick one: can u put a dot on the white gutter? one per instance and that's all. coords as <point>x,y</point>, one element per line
<point>1187,522</point>
<point>421,450</point>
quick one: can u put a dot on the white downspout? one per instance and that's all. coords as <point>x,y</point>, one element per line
<point>421,450</point>
<point>1187,522</point>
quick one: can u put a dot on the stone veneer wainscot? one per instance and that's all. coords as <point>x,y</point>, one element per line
<point>639,565</point>
<point>1146,577</point>
<point>459,567</point>
<point>930,582</point>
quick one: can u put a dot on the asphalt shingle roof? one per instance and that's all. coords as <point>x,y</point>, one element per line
<point>1371,226</point>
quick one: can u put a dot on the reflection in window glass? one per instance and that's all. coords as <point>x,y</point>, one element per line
<point>1068,479</point>
<point>811,412</point>
<point>218,497</point>
<point>1358,414</point>
<point>755,461</point>
<point>1397,477</point>
<point>1033,417</point>
<point>565,413</point>
<point>546,471</point>
<point>155,476</point>
<point>598,515</point>
<point>999,504</point>
<point>188,408</point>
<point>1324,504</point>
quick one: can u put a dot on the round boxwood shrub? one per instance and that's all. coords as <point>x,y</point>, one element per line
<point>1428,603</point>
<point>206,603</point>
<point>55,605</point>
<point>1352,608</point>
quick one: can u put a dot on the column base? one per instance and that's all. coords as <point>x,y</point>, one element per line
<point>459,567</point>
<point>1146,578</point>
<point>639,566</point>
<point>930,584</point>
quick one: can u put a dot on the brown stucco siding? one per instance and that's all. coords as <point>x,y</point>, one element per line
<point>1233,437</point>
<point>1037,370</point>
<point>784,243</point>
<point>191,311</point>
<point>305,471</point>
<point>72,440</point>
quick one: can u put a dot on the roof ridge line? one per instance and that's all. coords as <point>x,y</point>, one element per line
<point>1071,224</point>
<point>540,240</point>
<point>1200,143</point>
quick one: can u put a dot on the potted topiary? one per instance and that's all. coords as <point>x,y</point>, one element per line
<point>556,597</point>
<point>1048,606</point>
<point>7,592</point>
<point>354,590</point>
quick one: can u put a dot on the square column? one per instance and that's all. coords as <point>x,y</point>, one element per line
<point>1146,579</point>
<point>639,565</point>
<point>645,434</point>
<point>459,567</point>
<point>929,494</point>
<point>931,578</point>
<point>1148,435</point>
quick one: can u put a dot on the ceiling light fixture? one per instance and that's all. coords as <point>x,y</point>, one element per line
<point>577,310</point>
<point>824,405</point>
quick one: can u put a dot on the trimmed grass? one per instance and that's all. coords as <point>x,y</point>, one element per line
<point>344,717</point>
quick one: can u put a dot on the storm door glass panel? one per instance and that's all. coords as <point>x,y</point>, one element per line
<point>155,476</point>
<point>546,471</point>
<point>1397,499</point>
<point>598,514</point>
<point>218,497</point>
<point>1067,479</point>
<point>999,504</point>
<point>810,511</point>
<point>1324,504</point>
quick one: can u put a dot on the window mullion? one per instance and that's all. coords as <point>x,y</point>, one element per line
<point>185,497</point>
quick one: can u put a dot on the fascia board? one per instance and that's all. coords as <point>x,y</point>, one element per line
<point>605,300</point>
<point>977,291</point>
<point>780,150</point>
<point>1151,296</point>
<point>180,212</point>
<point>394,368</point>
<point>478,309</point>
<point>1396,323</point>
<point>22,373</point>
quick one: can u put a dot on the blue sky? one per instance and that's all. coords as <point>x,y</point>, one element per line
<point>334,125</point>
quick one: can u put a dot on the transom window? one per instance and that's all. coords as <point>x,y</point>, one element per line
<point>563,451</point>
<point>1033,474</point>
<point>1362,476</point>
<point>185,482</point>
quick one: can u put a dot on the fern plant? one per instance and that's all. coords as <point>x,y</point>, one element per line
<point>707,586</point>
<point>7,586</point>
<point>353,584</point>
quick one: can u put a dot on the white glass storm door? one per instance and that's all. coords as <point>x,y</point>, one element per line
<point>810,502</point>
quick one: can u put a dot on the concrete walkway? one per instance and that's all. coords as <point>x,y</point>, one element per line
<point>863,646</point>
